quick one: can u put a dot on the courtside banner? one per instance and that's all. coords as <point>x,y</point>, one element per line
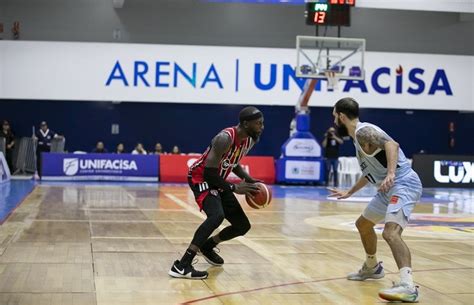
<point>174,168</point>
<point>93,167</point>
<point>445,170</point>
<point>232,75</point>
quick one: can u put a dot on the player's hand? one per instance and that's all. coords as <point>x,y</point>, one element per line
<point>339,194</point>
<point>246,188</point>
<point>387,183</point>
<point>252,180</point>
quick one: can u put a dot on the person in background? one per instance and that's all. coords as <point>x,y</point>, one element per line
<point>158,149</point>
<point>139,150</point>
<point>9,143</point>
<point>120,149</point>
<point>100,148</point>
<point>175,150</point>
<point>44,136</point>
<point>331,144</point>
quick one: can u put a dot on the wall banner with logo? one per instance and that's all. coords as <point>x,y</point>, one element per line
<point>82,71</point>
<point>445,170</point>
<point>174,168</point>
<point>107,167</point>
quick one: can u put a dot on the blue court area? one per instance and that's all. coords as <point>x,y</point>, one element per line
<point>12,193</point>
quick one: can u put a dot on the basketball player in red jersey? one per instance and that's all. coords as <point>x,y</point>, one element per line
<point>215,196</point>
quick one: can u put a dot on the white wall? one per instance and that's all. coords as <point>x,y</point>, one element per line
<point>258,25</point>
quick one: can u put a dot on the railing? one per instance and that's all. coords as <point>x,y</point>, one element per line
<point>26,158</point>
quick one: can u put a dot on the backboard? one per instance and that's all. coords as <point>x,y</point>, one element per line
<point>319,56</point>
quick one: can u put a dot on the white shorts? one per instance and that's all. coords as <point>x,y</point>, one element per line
<point>396,205</point>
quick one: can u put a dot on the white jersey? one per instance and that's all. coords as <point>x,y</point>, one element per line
<point>374,166</point>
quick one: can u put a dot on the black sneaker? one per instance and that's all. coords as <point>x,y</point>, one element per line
<point>186,272</point>
<point>212,257</point>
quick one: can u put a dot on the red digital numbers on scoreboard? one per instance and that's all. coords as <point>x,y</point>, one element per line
<point>328,12</point>
<point>320,17</point>
<point>342,2</point>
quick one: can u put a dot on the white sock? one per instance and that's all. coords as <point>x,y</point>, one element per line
<point>371,260</point>
<point>406,276</point>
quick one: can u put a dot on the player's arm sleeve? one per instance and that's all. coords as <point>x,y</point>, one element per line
<point>220,144</point>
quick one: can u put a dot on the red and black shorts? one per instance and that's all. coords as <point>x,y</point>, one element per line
<point>201,191</point>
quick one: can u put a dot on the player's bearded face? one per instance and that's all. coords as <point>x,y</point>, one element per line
<point>341,128</point>
<point>254,129</point>
<point>255,135</point>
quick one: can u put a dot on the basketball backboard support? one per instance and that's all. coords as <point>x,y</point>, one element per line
<point>318,57</point>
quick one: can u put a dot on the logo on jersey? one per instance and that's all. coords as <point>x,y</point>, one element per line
<point>225,164</point>
<point>454,171</point>
<point>394,200</point>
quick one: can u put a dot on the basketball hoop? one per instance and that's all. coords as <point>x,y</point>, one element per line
<point>333,80</point>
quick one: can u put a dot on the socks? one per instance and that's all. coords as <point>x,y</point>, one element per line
<point>187,257</point>
<point>406,276</point>
<point>371,260</point>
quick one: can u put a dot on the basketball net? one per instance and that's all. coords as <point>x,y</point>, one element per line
<point>333,80</point>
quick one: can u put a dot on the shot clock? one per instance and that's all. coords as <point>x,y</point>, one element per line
<point>328,12</point>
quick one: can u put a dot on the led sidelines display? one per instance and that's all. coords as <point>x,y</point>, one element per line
<point>445,170</point>
<point>109,167</point>
<point>174,168</point>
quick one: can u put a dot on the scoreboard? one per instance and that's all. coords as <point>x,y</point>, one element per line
<point>328,12</point>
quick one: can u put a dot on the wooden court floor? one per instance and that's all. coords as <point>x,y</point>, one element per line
<point>76,244</point>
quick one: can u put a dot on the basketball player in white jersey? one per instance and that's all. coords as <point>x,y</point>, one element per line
<point>384,165</point>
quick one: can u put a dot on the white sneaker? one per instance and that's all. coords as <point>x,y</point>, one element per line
<point>367,273</point>
<point>400,292</point>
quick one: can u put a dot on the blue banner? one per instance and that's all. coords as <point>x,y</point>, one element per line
<point>109,167</point>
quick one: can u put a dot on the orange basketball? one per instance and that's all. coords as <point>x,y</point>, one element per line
<point>260,199</point>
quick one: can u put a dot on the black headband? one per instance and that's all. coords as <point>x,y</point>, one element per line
<point>251,117</point>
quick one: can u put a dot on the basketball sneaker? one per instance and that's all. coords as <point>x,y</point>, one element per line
<point>186,272</point>
<point>400,292</point>
<point>211,256</point>
<point>367,273</point>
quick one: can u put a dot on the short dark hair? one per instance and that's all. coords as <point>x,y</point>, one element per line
<point>249,113</point>
<point>348,106</point>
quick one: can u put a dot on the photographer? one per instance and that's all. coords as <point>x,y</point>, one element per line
<point>331,144</point>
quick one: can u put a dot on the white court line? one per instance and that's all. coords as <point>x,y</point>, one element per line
<point>259,249</point>
<point>248,211</point>
<point>131,209</point>
<point>275,239</point>
<point>140,237</point>
<point>111,221</point>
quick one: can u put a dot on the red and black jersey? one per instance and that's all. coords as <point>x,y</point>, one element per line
<point>229,159</point>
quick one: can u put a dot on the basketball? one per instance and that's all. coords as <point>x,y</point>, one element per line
<point>260,199</point>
